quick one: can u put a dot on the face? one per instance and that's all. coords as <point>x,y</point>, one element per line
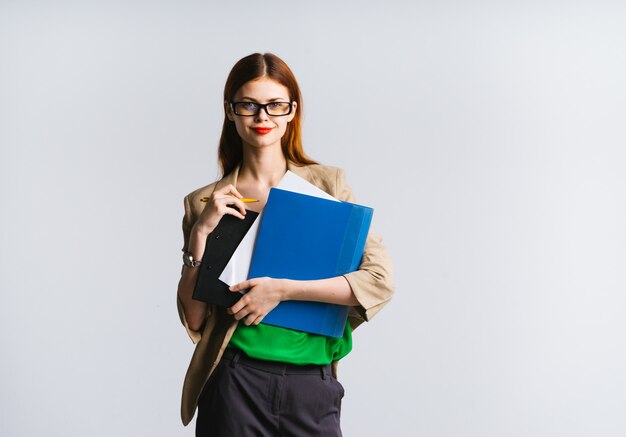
<point>261,130</point>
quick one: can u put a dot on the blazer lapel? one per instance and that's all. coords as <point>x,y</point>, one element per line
<point>304,172</point>
<point>230,178</point>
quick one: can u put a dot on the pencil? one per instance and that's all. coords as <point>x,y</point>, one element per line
<point>243,199</point>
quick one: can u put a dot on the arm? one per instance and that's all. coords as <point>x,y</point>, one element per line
<point>193,312</point>
<point>372,284</point>
<point>333,290</point>
<point>265,293</point>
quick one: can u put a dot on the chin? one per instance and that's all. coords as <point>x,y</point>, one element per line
<point>263,142</point>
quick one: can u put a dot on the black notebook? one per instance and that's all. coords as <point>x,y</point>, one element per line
<point>220,246</point>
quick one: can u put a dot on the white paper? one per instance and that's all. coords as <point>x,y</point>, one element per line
<point>237,269</point>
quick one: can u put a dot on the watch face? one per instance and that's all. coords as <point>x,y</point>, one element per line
<point>189,261</point>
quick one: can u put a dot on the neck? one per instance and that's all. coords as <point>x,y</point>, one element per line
<point>263,167</point>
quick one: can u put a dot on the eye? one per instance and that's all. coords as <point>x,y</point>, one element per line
<point>248,106</point>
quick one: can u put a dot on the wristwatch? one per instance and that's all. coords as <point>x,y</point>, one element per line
<point>189,261</point>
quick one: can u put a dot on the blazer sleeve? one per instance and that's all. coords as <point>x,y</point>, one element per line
<point>372,283</point>
<point>188,222</point>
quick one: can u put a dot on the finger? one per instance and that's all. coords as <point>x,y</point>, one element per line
<point>250,319</point>
<point>231,211</point>
<point>236,192</point>
<point>231,200</point>
<point>239,204</point>
<point>230,189</point>
<point>258,320</point>
<point>237,307</point>
<point>242,285</point>
<point>225,189</point>
<point>241,314</point>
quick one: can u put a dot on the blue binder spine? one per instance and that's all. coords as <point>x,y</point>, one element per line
<point>354,242</point>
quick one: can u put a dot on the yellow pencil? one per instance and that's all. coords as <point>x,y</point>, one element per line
<point>243,199</point>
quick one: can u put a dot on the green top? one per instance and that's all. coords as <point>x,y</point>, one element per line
<point>273,343</point>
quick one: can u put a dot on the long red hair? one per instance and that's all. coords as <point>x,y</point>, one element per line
<point>254,66</point>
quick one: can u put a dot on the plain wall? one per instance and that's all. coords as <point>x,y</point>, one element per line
<point>488,136</point>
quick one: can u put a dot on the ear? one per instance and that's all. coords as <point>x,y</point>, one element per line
<point>229,111</point>
<point>294,108</point>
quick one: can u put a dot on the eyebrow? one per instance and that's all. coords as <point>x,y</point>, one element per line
<point>282,99</point>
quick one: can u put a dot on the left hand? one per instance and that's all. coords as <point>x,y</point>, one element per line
<point>262,297</point>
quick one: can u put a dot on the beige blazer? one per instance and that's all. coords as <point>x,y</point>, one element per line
<point>372,283</point>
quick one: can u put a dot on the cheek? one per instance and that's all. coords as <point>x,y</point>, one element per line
<point>240,128</point>
<point>282,127</point>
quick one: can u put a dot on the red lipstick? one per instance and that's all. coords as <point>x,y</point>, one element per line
<point>262,130</point>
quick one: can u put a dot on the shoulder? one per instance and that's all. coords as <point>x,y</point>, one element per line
<point>201,192</point>
<point>324,171</point>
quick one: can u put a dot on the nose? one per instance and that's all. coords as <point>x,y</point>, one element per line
<point>262,115</point>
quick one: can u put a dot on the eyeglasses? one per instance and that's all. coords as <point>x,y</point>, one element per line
<point>275,109</point>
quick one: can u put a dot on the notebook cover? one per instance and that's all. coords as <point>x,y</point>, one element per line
<point>220,246</point>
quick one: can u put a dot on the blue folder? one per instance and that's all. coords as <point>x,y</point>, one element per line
<point>304,237</point>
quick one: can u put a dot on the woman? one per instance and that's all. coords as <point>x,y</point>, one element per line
<point>245,377</point>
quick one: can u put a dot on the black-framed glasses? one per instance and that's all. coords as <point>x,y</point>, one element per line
<point>275,109</point>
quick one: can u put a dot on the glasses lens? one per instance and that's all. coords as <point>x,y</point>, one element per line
<point>278,108</point>
<point>246,108</point>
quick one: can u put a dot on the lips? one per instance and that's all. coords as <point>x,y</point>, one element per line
<point>262,130</point>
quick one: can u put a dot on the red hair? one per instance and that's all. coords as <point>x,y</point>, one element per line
<point>255,66</point>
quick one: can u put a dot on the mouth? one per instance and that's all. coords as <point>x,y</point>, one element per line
<point>262,130</point>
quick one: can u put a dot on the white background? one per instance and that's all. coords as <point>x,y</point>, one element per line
<point>488,136</point>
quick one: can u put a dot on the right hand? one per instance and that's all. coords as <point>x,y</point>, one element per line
<point>217,207</point>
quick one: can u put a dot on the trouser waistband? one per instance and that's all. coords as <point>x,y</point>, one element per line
<point>238,357</point>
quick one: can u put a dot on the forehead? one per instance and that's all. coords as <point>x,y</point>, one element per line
<point>262,89</point>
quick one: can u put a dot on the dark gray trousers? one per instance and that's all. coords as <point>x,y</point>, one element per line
<point>248,397</point>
